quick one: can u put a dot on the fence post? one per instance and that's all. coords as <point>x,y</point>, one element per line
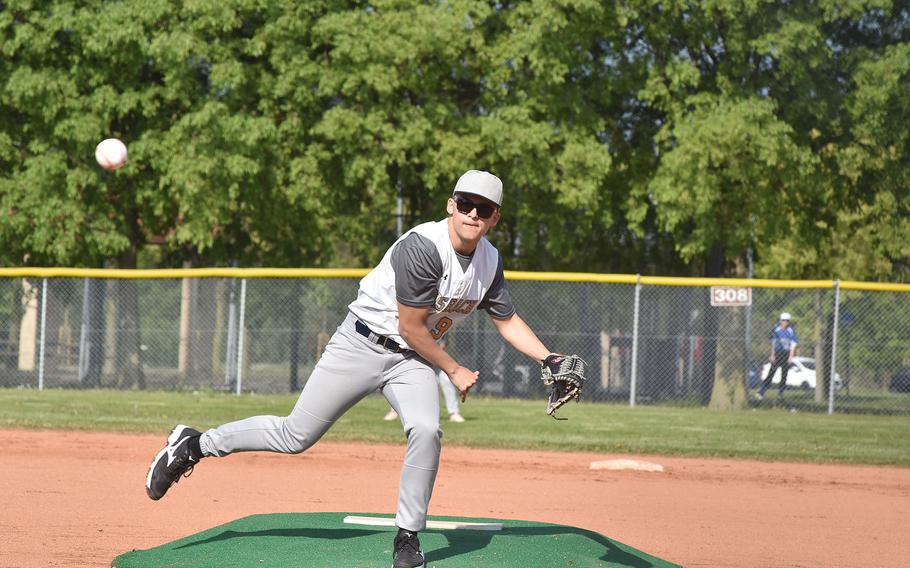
<point>240,335</point>
<point>634,379</point>
<point>834,347</point>
<point>83,330</point>
<point>41,332</point>
<point>229,356</point>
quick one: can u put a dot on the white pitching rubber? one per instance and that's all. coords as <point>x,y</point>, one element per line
<point>635,465</point>
<point>440,525</point>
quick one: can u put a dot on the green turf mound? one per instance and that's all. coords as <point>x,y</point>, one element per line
<point>321,539</point>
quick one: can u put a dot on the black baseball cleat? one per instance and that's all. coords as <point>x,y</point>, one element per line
<point>407,550</point>
<point>172,462</point>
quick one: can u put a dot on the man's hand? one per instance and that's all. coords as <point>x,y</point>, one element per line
<point>464,379</point>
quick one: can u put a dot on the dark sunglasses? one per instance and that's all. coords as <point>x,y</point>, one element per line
<point>465,206</point>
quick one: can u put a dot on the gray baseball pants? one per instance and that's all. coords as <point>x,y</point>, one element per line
<point>351,368</point>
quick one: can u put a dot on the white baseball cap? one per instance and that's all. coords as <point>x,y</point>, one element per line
<point>484,184</point>
<point>785,316</point>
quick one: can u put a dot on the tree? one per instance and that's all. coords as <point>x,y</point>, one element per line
<point>188,89</point>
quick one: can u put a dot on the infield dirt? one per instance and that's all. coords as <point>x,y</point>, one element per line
<point>78,499</point>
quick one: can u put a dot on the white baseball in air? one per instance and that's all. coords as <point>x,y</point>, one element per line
<point>111,154</point>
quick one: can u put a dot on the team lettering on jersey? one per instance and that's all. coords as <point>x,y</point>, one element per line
<point>459,290</point>
<point>454,305</point>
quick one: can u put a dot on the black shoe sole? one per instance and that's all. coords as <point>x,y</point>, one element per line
<point>172,439</point>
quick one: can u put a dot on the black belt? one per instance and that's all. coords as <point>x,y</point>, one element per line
<point>386,342</point>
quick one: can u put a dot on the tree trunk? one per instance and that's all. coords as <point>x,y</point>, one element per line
<point>219,333</point>
<point>186,311</point>
<point>28,327</point>
<point>110,331</point>
<point>94,309</point>
<point>294,337</point>
<point>9,333</point>
<point>203,334</point>
<point>129,344</point>
<point>729,389</point>
<point>714,265</point>
<point>9,338</point>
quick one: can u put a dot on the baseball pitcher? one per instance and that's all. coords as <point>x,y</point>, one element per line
<point>428,281</point>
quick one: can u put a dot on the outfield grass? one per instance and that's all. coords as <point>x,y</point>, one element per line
<point>498,423</point>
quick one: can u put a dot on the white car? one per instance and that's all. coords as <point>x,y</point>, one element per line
<point>801,374</point>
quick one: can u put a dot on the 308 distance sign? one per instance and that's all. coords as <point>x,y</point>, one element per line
<point>731,296</point>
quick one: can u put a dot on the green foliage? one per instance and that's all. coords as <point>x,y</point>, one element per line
<point>729,160</point>
<point>766,133</point>
<point>635,136</point>
<point>188,88</point>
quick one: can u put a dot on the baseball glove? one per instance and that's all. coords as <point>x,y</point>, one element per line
<point>564,375</point>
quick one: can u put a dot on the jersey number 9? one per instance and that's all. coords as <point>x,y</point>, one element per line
<point>442,326</point>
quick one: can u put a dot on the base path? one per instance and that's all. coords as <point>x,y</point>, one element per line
<point>78,499</point>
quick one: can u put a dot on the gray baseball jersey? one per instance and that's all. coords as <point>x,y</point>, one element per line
<point>420,269</point>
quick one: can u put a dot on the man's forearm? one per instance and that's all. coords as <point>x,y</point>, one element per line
<point>517,333</point>
<point>420,340</point>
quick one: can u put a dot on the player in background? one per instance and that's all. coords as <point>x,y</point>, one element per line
<point>783,347</point>
<point>429,280</point>
<point>449,394</point>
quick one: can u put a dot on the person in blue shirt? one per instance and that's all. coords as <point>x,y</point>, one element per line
<point>783,347</point>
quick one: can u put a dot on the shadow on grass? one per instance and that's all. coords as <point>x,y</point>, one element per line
<point>464,542</point>
<point>327,534</point>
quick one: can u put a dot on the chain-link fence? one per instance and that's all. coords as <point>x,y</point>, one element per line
<point>654,341</point>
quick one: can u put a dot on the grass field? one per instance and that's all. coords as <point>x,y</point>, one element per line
<point>499,423</point>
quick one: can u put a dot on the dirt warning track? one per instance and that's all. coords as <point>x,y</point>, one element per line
<point>78,499</point>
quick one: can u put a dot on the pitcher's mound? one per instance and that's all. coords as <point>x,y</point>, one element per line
<point>322,539</point>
